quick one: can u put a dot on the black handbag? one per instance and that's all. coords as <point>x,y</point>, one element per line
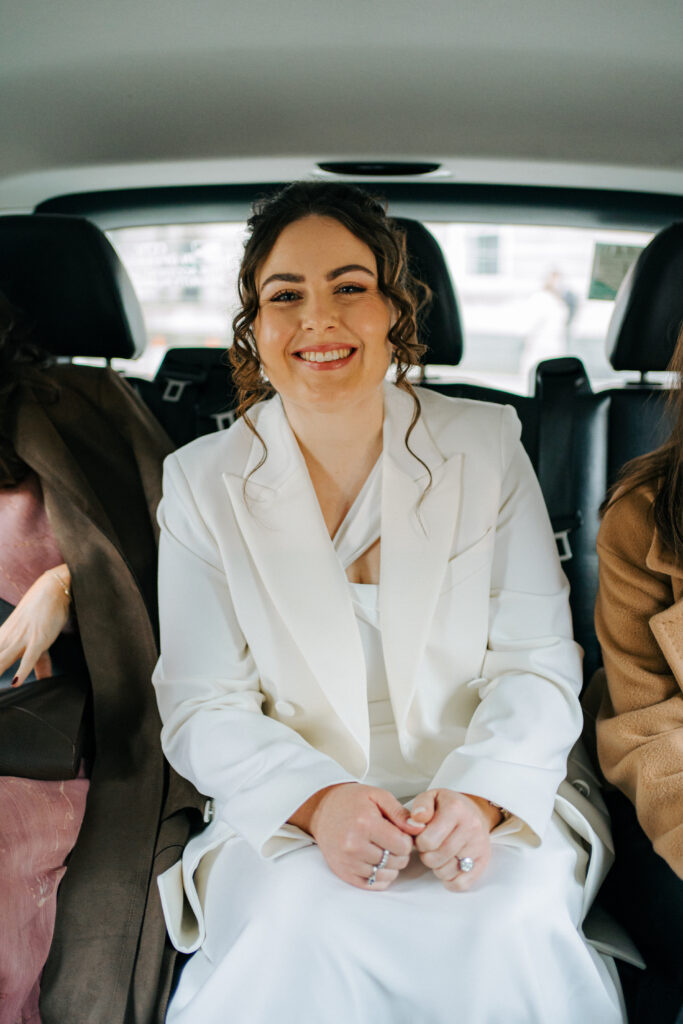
<point>43,727</point>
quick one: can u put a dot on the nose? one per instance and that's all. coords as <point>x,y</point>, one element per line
<point>319,314</point>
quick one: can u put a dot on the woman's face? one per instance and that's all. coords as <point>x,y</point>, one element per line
<point>322,326</point>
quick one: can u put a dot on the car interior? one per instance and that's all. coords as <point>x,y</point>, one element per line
<point>122,121</point>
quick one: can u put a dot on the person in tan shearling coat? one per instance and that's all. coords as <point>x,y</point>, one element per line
<point>639,622</point>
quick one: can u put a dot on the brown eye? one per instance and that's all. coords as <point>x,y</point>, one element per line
<point>350,289</point>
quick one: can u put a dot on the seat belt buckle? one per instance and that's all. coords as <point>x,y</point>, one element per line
<point>564,549</point>
<point>174,389</point>
<point>224,419</point>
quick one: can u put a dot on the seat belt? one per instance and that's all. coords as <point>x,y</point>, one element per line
<point>558,384</point>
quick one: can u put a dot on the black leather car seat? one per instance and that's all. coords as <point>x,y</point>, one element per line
<point>66,276</point>
<point>641,338</point>
<point>192,392</point>
<point>585,438</point>
<point>642,334</point>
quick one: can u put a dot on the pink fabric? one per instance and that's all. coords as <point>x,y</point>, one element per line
<point>39,821</point>
<point>39,825</point>
<point>27,544</point>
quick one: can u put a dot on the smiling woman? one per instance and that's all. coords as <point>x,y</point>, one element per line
<point>374,678</point>
<point>327,304</point>
<point>323,345</point>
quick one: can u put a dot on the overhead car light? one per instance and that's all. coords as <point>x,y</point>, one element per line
<point>379,168</point>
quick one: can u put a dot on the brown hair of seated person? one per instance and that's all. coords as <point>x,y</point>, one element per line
<point>366,218</point>
<point>20,358</point>
<point>663,467</point>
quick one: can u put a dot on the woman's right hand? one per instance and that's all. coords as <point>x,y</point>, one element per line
<point>35,624</point>
<point>353,825</point>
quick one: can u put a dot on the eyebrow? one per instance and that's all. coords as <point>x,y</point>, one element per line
<point>345,270</point>
<point>337,272</point>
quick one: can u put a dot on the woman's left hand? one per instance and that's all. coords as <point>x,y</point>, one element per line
<point>457,826</point>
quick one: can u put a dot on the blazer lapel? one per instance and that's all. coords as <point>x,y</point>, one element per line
<point>284,529</point>
<point>416,543</point>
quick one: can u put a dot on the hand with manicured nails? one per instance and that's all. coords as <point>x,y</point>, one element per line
<point>35,624</point>
<point>455,825</point>
<point>353,824</point>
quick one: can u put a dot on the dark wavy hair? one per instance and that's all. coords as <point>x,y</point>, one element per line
<point>663,468</point>
<point>21,361</point>
<point>365,217</point>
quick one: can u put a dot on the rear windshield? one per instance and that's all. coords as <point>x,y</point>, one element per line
<point>525,293</point>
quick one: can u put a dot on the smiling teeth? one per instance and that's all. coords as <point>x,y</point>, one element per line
<point>325,357</point>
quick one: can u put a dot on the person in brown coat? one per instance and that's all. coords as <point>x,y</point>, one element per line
<point>639,622</point>
<point>92,454</point>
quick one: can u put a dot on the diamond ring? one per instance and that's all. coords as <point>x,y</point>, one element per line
<point>378,867</point>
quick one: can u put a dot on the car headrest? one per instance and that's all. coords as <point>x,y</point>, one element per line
<point>648,311</point>
<point>65,275</point>
<point>440,330</point>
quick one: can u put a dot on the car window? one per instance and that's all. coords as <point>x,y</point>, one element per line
<point>526,292</point>
<point>185,278</point>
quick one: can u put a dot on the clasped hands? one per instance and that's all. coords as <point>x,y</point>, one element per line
<point>354,824</point>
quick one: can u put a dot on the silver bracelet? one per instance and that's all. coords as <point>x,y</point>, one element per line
<point>61,583</point>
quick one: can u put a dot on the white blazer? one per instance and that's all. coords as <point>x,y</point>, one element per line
<point>261,683</point>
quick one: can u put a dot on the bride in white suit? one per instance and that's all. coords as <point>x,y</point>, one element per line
<point>367,662</point>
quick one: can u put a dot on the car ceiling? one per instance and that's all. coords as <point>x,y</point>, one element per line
<point>150,92</point>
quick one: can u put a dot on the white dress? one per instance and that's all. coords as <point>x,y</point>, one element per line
<point>288,942</point>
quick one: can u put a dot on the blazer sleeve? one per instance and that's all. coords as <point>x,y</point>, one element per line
<point>640,725</point>
<point>528,716</point>
<point>214,733</point>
